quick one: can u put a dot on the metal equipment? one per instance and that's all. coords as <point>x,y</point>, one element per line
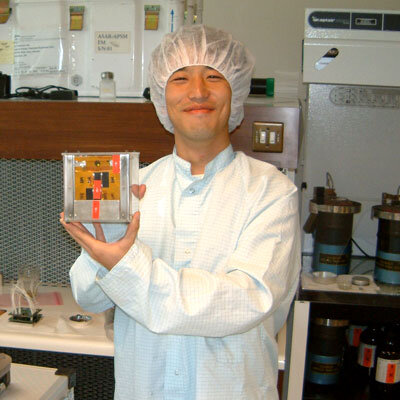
<point>97,186</point>
<point>387,261</point>
<point>331,222</point>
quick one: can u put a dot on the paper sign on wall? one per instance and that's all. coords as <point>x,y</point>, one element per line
<point>36,53</point>
<point>113,42</point>
<point>6,52</point>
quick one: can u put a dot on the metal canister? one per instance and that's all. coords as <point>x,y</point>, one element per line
<point>331,222</point>
<point>325,350</point>
<point>387,261</point>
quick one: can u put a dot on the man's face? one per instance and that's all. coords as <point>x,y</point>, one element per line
<point>198,101</point>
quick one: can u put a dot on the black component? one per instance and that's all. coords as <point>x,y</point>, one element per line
<point>327,336</point>
<point>5,86</point>
<point>89,194</point>
<point>26,316</point>
<point>63,95</point>
<point>329,20</point>
<point>388,242</point>
<point>324,354</point>
<point>331,53</point>
<point>105,178</point>
<point>391,22</point>
<point>334,228</point>
<point>97,175</point>
<point>319,194</point>
<point>146,93</point>
<point>366,21</point>
<point>258,86</point>
<point>60,93</point>
<point>70,373</point>
<point>388,236</point>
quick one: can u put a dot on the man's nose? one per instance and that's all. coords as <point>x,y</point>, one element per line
<point>198,89</point>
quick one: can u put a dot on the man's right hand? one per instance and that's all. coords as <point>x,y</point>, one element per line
<point>107,254</point>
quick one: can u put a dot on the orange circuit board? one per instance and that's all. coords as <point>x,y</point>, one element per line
<point>97,177</point>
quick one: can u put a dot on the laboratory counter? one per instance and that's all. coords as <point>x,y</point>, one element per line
<point>55,331</point>
<point>55,341</point>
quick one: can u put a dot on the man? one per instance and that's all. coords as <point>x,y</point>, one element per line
<point>203,287</point>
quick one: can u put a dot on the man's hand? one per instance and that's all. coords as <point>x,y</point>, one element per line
<point>107,254</point>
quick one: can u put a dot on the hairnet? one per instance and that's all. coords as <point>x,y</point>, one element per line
<point>201,45</point>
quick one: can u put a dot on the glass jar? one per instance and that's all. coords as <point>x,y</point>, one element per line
<point>107,87</point>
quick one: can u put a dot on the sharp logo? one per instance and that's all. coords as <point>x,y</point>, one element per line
<point>316,19</point>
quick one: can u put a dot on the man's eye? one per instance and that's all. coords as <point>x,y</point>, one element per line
<point>178,78</point>
<point>217,77</point>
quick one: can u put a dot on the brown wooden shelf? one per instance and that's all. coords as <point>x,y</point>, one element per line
<point>40,129</point>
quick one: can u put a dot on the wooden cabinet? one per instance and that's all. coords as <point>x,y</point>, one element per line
<point>40,129</point>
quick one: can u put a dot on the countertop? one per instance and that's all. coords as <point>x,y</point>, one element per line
<point>33,382</point>
<point>54,331</point>
<point>378,300</point>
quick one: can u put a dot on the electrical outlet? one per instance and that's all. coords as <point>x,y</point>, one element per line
<point>268,137</point>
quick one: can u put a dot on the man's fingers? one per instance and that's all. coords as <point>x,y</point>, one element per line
<point>78,225</point>
<point>138,191</point>
<point>79,233</point>
<point>82,237</point>
<point>99,231</point>
<point>133,228</point>
<point>142,191</point>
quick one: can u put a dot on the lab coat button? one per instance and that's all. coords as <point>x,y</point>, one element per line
<point>191,190</point>
<point>187,251</point>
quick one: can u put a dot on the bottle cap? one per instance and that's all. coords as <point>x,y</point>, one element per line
<point>107,75</point>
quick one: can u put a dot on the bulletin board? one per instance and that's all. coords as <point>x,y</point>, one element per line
<point>44,43</point>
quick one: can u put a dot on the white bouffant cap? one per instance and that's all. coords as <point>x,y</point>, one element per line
<point>201,45</point>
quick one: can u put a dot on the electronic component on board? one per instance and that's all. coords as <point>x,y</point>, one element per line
<point>97,186</point>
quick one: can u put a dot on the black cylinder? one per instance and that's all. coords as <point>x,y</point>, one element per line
<point>334,228</point>
<point>387,262</point>
<point>389,235</point>
<point>332,244</point>
<point>325,351</point>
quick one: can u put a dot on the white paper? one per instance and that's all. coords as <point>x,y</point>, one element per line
<point>113,42</point>
<point>38,53</point>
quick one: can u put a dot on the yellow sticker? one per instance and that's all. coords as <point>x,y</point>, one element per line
<point>76,23</point>
<point>6,52</point>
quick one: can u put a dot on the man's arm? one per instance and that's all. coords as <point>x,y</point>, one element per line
<point>96,254</point>
<point>194,301</point>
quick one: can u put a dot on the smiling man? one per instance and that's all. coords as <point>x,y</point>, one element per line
<point>198,102</point>
<point>202,287</point>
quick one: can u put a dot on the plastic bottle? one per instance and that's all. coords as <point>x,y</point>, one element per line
<point>107,87</point>
<point>387,374</point>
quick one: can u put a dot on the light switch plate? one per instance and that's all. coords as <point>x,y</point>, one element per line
<point>268,137</point>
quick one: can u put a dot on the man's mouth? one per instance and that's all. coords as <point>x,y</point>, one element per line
<point>198,109</point>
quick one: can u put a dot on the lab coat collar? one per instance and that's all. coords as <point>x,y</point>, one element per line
<point>223,159</point>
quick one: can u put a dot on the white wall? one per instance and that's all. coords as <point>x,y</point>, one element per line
<point>273,29</point>
<point>351,143</point>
